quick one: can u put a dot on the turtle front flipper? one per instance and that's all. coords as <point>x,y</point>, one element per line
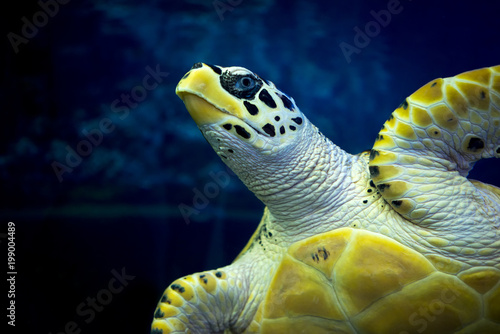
<point>425,150</point>
<point>206,302</point>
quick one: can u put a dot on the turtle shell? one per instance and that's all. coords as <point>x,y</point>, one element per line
<point>356,281</point>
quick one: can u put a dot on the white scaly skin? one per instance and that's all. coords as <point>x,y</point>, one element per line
<point>309,186</point>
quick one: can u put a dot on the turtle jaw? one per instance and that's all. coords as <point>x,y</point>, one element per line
<point>201,111</point>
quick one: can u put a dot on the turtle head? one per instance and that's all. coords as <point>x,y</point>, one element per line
<point>239,113</point>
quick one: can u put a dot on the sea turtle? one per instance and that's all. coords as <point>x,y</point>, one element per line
<point>392,240</point>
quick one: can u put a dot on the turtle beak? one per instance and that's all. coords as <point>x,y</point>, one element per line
<point>200,110</point>
<point>203,96</point>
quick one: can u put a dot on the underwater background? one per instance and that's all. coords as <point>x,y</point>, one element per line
<point>77,78</point>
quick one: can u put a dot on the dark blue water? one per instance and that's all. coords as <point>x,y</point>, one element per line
<point>106,71</point>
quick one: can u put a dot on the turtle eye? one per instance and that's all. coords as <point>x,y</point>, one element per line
<point>245,83</point>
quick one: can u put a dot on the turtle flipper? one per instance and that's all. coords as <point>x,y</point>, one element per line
<point>425,150</point>
<point>205,302</point>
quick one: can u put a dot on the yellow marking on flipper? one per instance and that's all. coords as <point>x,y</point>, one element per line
<point>382,157</point>
<point>482,76</point>
<point>403,206</point>
<point>420,116</point>
<point>393,189</point>
<point>166,311</point>
<point>403,111</point>
<point>495,84</point>
<point>405,131</point>
<point>390,123</point>
<point>185,290</point>
<point>428,94</point>
<point>207,281</point>
<point>478,97</point>
<point>456,101</point>
<point>444,117</point>
<point>434,132</point>
<point>382,173</point>
<point>384,142</point>
<point>475,117</point>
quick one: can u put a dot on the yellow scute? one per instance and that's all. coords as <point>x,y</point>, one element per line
<point>373,267</point>
<point>304,325</point>
<point>299,290</point>
<point>438,304</point>
<point>481,279</point>
<point>428,94</point>
<point>322,251</point>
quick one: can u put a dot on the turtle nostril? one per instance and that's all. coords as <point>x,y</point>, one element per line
<point>197,65</point>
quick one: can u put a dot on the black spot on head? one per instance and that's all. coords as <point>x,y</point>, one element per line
<point>230,151</point>
<point>391,117</point>
<point>265,97</point>
<point>241,86</point>
<point>186,75</point>
<point>380,137</point>
<point>498,150</point>
<point>252,109</point>
<point>475,144</point>
<point>374,171</point>
<point>270,234</point>
<point>404,105</point>
<point>287,102</point>
<point>163,298</point>
<point>242,132</point>
<point>197,65</point>
<point>223,156</point>
<point>397,203</point>
<point>157,331</point>
<point>483,94</point>
<point>159,314</point>
<point>369,190</point>
<point>282,130</point>
<point>227,126</point>
<point>216,69</point>
<point>269,129</point>
<point>297,120</point>
<point>277,118</point>
<point>372,184</point>
<point>293,128</point>
<point>373,154</point>
<point>434,84</point>
<point>218,274</point>
<point>201,276</point>
<point>365,201</point>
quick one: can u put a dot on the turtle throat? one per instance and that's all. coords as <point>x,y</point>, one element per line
<point>302,180</point>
